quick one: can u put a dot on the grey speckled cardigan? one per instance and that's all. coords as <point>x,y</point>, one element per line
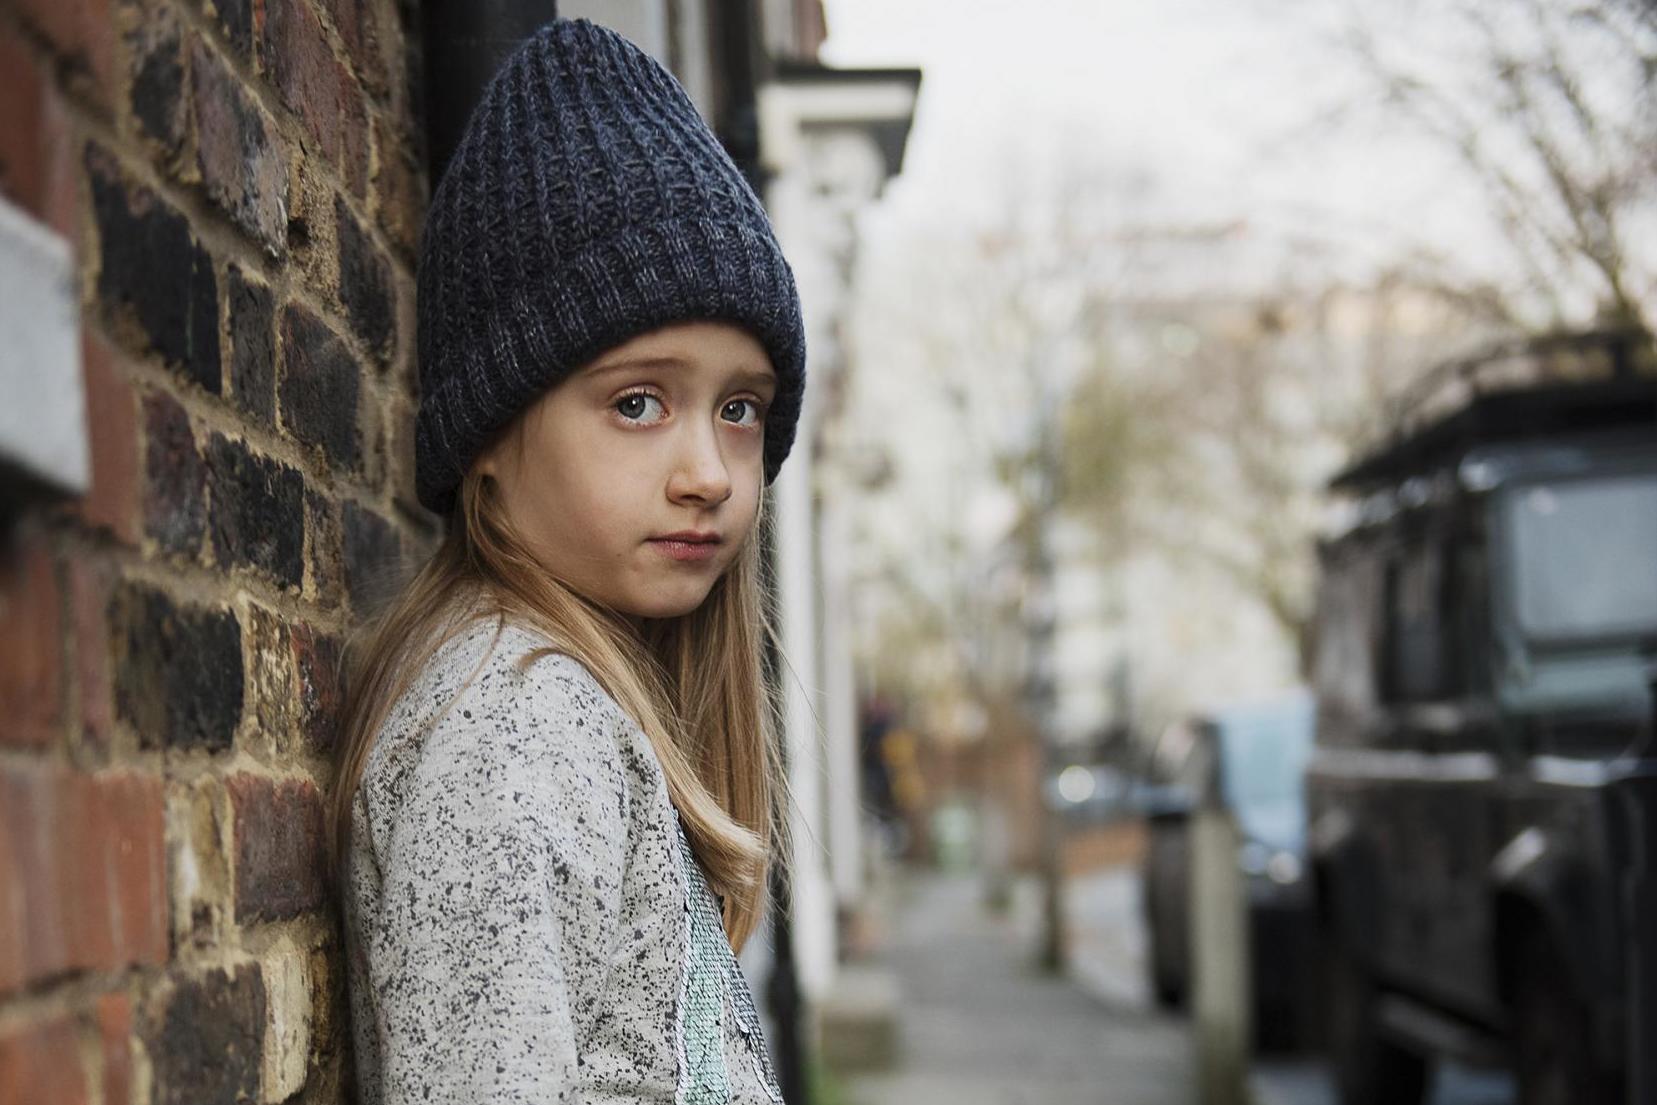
<point>525,921</point>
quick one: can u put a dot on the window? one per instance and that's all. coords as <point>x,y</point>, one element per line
<point>1417,657</point>
<point>1585,557</point>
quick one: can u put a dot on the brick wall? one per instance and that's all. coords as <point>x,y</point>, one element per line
<point>239,181</point>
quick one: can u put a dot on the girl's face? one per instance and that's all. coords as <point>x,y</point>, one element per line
<point>636,479</point>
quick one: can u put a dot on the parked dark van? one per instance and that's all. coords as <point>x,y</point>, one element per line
<point>1482,797</point>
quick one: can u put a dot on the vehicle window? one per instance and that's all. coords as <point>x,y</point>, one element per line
<point>1470,659</point>
<point>1585,557</point>
<point>1344,665</point>
<point>1264,752</point>
<point>1418,622</point>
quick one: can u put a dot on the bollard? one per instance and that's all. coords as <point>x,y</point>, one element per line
<point>1220,998</point>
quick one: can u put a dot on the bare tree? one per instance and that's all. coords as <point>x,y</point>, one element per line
<point>1549,106</point>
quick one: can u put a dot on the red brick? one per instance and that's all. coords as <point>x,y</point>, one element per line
<point>242,164</point>
<point>14,907</point>
<point>89,587</point>
<point>61,208</point>
<point>309,79</point>
<point>31,647</point>
<point>113,1013</point>
<point>85,877</point>
<point>280,861</point>
<point>36,156</point>
<point>23,90</point>
<point>82,33</point>
<point>41,1063</point>
<point>112,431</point>
<point>316,658</point>
<point>359,29</point>
<point>133,851</point>
<point>31,940</point>
<point>76,827</point>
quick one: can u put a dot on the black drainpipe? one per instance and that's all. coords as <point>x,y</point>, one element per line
<point>736,61</point>
<point>782,988</point>
<point>464,43</point>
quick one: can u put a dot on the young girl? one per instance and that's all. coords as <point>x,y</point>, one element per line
<point>557,795</point>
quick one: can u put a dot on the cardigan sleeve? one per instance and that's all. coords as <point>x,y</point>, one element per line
<point>501,879</point>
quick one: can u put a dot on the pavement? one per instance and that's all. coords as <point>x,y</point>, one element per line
<point>980,1024</point>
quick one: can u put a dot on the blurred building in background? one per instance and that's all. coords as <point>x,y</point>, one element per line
<point>830,139</point>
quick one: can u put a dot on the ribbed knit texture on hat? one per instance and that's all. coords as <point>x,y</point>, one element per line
<point>586,203</point>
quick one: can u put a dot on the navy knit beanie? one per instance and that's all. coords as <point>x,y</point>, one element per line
<point>586,203</point>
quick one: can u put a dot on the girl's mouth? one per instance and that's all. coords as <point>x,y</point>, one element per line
<point>681,548</point>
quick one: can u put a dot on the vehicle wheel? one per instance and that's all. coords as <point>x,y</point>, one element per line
<point>1165,982</point>
<point>1369,1068</point>
<point>1169,994</point>
<point>1166,985</point>
<point>1553,1052</point>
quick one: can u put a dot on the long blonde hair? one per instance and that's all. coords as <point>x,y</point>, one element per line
<point>694,684</point>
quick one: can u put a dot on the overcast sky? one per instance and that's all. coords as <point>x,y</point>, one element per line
<point>1209,102</point>
<point>1217,100</point>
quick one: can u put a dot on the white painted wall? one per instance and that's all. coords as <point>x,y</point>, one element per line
<point>43,418</point>
<point>643,21</point>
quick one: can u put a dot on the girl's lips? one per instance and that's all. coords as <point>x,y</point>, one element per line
<point>686,550</point>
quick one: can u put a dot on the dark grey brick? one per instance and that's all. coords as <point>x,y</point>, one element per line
<point>319,386</point>
<point>155,272</point>
<point>178,679</point>
<point>257,511</point>
<point>252,346</point>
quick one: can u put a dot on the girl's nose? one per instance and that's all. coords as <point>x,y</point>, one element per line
<point>700,472</point>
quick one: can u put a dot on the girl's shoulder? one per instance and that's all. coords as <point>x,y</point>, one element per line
<point>472,700</point>
<point>490,644</point>
<point>484,660</point>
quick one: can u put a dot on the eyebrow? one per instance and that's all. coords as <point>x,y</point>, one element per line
<point>749,376</point>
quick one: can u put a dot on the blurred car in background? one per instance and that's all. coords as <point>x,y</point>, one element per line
<point>1091,794</point>
<point>1255,755</point>
<point>1483,794</point>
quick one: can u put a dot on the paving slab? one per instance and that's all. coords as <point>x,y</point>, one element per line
<point>980,1024</point>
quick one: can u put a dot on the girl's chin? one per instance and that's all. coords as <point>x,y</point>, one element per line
<point>669,602</point>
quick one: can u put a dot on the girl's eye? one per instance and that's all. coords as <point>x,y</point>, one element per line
<point>637,406</point>
<point>737,405</point>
